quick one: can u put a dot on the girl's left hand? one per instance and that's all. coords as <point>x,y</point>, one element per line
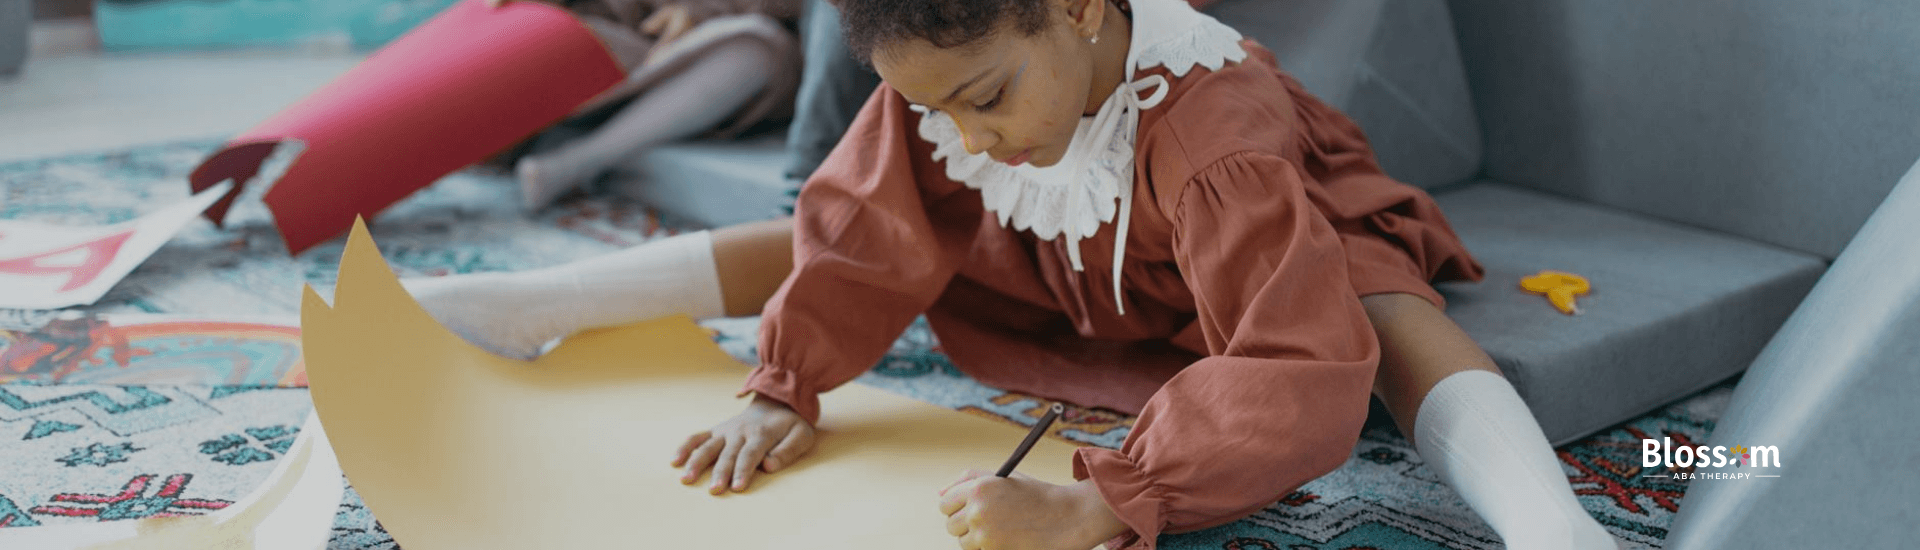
<point>1023,513</point>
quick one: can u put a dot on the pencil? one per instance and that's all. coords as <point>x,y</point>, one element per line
<point>1039,428</point>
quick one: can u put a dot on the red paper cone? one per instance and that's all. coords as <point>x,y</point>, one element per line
<point>466,84</point>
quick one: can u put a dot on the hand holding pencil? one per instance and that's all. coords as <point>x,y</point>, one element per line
<point>1008,510</point>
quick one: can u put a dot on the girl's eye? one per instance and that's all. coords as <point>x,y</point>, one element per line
<point>990,104</point>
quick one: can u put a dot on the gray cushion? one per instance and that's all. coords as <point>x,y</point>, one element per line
<point>1319,42</point>
<point>1411,97</point>
<point>1673,309</point>
<point>715,183</point>
<point>1393,66</point>
<point>1834,391</point>
<point>1777,120</point>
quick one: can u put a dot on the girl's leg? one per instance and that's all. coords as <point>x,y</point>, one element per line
<point>1473,430</point>
<point>753,260</point>
<point>726,272</point>
<point>697,99</point>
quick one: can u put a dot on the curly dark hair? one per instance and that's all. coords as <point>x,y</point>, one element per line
<point>871,24</point>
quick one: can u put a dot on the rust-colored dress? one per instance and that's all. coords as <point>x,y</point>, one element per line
<point>1260,218</point>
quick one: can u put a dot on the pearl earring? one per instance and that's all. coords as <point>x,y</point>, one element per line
<point>1095,39</point>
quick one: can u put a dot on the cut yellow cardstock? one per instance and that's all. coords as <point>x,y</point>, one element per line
<point>455,448</point>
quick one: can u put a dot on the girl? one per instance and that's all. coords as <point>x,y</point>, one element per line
<point>1124,206</point>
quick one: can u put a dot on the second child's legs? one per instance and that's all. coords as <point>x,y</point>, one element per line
<point>697,99</point>
<point>1473,430</point>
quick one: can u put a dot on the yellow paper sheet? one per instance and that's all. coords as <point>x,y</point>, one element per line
<point>454,448</point>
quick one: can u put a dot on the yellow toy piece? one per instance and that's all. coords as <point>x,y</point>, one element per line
<point>1560,288</point>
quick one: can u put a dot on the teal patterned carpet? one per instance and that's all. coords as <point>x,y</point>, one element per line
<point>90,452</point>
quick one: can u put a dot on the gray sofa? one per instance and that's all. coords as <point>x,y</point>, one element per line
<point>16,20</point>
<point>1700,162</point>
<point>1834,392</point>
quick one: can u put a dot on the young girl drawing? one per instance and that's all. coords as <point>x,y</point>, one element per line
<point>1124,206</point>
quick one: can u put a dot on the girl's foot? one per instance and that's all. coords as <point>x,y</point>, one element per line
<point>490,310</point>
<point>541,181</point>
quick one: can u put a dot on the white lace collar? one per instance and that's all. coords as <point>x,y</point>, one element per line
<point>1072,198</point>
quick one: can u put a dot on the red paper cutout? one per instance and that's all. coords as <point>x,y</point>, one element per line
<point>468,83</point>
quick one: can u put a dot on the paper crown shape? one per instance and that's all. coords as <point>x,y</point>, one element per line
<point>466,84</point>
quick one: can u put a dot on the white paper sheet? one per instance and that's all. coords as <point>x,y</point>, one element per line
<point>292,510</point>
<point>46,266</point>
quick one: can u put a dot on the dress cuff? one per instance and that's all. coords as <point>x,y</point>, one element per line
<point>1134,498</point>
<point>786,387</point>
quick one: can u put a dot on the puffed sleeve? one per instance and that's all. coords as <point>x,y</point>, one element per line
<point>1281,396</point>
<point>879,231</point>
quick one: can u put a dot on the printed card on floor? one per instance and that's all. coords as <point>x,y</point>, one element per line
<point>45,266</point>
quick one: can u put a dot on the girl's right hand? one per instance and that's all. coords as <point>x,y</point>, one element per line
<point>767,436</point>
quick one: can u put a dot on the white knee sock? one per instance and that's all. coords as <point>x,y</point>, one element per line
<point>514,314</point>
<point>1476,433</point>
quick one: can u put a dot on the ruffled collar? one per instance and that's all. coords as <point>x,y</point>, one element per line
<point>1093,184</point>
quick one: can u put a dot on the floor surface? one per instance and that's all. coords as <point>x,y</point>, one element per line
<point>73,97</point>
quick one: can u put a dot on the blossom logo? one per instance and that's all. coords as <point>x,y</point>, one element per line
<point>1685,458</point>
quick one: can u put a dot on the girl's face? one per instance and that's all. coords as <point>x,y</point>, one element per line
<point>1016,98</point>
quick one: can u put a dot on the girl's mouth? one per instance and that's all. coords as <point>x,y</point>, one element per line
<point>1021,158</point>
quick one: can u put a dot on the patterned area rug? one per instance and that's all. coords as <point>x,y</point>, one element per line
<point>74,449</point>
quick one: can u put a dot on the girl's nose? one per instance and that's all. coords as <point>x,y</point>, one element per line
<point>976,141</point>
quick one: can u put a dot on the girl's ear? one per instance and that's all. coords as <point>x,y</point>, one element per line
<point>1085,16</point>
